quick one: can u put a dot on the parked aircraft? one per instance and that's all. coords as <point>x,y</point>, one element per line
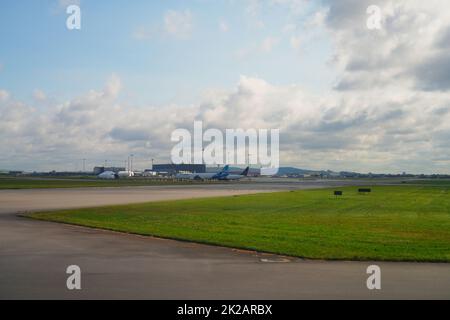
<point>125,174</point>
<point>227,176</point>
<point>108,175</point>
<point>203,176</point>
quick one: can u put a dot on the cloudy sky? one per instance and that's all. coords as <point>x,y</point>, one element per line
<point>343,96</point>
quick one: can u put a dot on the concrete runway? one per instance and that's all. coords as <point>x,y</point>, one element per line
<point>34,256</point>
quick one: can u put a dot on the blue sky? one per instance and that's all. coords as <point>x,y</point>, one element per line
<point>40,53</point>
<point>344,96</point>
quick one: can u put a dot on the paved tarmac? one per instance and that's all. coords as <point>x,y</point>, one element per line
<point>34,256</point>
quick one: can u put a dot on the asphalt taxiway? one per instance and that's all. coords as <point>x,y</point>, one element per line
<point>34,256</point>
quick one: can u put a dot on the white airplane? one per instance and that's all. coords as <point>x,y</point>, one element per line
<point>203,176</point>
<point>228,176</point>
<point>108,175</point>
<point>125,174</point>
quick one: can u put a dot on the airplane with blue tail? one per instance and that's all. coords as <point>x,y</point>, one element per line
<point>227,176</point>
<point>204,176</point>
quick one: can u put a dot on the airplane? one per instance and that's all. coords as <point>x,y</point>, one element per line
<point>203,176</point>
<point>227,176</point>
<point>108,175</point>
<point>125,174</point>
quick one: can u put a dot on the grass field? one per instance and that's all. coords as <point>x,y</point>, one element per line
<point>396,223</point>
<point>430,182</point>
<point>35,183</point>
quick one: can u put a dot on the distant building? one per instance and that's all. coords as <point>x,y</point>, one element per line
<point>15,173</point>
<point>98,170</point>
<point>177,168</point>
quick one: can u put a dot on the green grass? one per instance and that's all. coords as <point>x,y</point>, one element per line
<point>396,223</point>
<point>36,183</point>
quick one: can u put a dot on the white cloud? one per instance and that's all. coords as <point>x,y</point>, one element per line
<point>178,23</point>
<point>386,130</point>
<point>265,46</point>
<point>268,44</point>
<point>318,18</point>
<point>374,131</point>
<point>39,95</point>
<point>295,42</point>
<point>113,86</point>
<point>253,12</point>
<point>307,31</point>
<point>4,95</point>
<point>405,51</point>
<point>257,9</point>
<point>390,112</point>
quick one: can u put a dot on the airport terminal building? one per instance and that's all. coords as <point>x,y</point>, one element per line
<point>172,169</point>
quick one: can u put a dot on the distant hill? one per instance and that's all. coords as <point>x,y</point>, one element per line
<point>286,171</point>
<point>292,170</point>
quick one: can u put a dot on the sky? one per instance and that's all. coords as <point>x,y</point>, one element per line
<point>345,97</point>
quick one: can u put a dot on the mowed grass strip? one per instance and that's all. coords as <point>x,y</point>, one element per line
<point>395,223</point>
<point>23,183</point>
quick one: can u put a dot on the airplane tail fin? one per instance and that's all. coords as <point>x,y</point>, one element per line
<point>245,172</point>
<point>223,173</point>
